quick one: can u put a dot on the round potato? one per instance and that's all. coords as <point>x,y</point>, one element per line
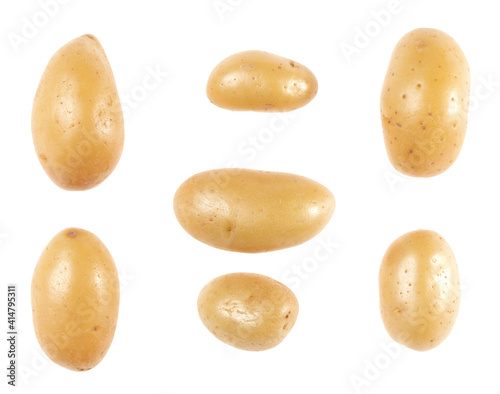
<point>252,211</point>
<point>75,296</point>
<point>77,119</point>
<point>248,311</point>
<point>424,103</point>
<point>260,81</point>
<point>419,290</point>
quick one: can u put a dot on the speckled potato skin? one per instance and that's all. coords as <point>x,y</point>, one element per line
<point>419,290</point>
<point>425,103</point>
<point>77,119</point>
<point>252,211</point>
<point>75,295</point>
<point>248,311</point>
<point>261,81</point>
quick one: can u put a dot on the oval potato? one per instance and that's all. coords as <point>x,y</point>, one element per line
<point>248,311</point>
<point>77,119</point>
<point>425,102</point>
<point>252,211</point>
<point>261,81</point>
<point>75,295</point>
<point>419,290</point>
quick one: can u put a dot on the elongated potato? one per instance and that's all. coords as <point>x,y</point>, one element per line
<point>248,311</point>
<point>419,290</point>
<point>77,119</point>
<point>75,294</point>
<point>252,211</point>
<point>424,103</point>
<point>261,81</point>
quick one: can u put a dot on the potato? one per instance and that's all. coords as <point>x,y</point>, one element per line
<point>419,290</point>
<point>77,119</point>
<point>260,81</point>
<point>75,296</point>
<point>248,311</point>
<point>252,211</point>
<point>425,103</point>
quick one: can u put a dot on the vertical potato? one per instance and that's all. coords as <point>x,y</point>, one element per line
<point>424,103</point>
<point>419,290</point>
<point>77,120</point>
<point>75,295</point>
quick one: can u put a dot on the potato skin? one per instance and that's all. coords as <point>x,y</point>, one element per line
<point>75,296</point>
<point>252,211</point>
<point>248,311</point>
<point>77,120</point>
<point>260,81</point>
<point>424,103</point>
<point>419,290</point>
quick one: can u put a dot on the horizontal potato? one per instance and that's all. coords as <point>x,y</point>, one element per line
<point>260,81</point>
<point>424,103</point>
<point>248,311</point>
<point>75,295</point>
<point>419,290</point>
<point>77,120</point>
<point>252,211</point>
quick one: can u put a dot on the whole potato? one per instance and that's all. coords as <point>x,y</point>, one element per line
<point>77,119</point>
<point>252,211</point>
<point>419,290</point>
<point>260,81</point>
<point>75,295</point>
<point>425,103</point>
<point>248,311</point>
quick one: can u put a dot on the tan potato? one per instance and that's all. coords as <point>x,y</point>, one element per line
<point>252,211</point>
<point>419,290</point>
<point>424,103</point>
<point>248,311</point>
<point>77,119</point>
<point>260,81</point>
<point>75,295</point>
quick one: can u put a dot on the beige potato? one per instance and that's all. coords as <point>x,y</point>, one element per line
<point>252,211</point>
<point>424,103</point>
<point>77,119</point>
<point>261,81</point>
<point>248,311</point>
<point>419,290</point>
<point>75,296</point>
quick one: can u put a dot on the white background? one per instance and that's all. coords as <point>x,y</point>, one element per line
<point>173,132</point>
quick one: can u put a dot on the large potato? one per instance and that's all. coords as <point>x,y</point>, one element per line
<point>248,311</point>
<point>260,81</point>
<point>77,119</point>
<point>252,211</point>
<point>425,103</point>
<point>419,290</point>
<point>75,296</point>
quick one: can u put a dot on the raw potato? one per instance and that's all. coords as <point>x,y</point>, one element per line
<point>77,119</point>
<point>425,103</point>
<point>75,295</point>
<point>248,311</point>
<point>260,81</point>
<point>419,290</point>
<point>252,211</point>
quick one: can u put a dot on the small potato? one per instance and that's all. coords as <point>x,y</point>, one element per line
<point>419,290</point>
<point>252,211</point>
<point>260,81</point>
<point>424,103</point>
<point>248,311</point>
<point>77,119</point>
<point>75,294</point>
